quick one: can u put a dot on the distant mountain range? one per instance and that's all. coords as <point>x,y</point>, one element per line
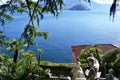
<point>84,5</point>
<point>74,4</point>
<point>80,7</point>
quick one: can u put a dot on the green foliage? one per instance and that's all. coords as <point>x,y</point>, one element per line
<point>85,53</point>
<point>83,61</point>
<point>47,63</point>
<point>111,55</point>
<point>15,44</point>
<point>25,69</point>
<point>35,11</point>
<point>40,51</point>
<point>10,7</point>
<point>2,39</point>
<point>31,32</point>
<point>112,60</point>
<point>90,52</point>
<point>116,65</point>
<point>108,60</point>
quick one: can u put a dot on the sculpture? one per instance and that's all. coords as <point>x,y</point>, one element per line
<point>77,71</point>
<point>91,74</point>
<point>48,74</point>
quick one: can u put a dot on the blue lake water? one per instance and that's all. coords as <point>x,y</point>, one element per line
<point>69,29</point>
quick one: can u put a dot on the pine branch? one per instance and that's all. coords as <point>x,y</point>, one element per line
<point>113,9</point>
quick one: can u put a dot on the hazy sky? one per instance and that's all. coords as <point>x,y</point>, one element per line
<point>104,1</point>
<point>98,1</point>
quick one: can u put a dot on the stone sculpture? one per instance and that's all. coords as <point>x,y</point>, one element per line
<point>77,71</point>
<point>91,74</point>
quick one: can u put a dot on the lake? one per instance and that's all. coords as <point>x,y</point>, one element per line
<point>69,29</point>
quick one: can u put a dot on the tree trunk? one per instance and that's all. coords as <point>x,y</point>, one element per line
<point>98,57</point>
<point>15,57</point>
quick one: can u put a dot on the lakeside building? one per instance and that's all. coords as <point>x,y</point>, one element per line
<point>77,49</point>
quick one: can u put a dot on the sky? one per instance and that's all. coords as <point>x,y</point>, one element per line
<point>98,1</point>
<point>104,1</point>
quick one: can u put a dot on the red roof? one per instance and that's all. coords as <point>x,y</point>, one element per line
<point>77,49</point>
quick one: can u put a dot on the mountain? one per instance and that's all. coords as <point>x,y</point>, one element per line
<point>80,7</point>
<point>84,5</point>
<point>76,5</point>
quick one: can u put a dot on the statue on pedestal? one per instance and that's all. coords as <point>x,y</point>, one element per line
<point>77,71</point>
<point>91,74</point>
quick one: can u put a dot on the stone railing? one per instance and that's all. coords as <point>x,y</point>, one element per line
<point>58,78</point>
<point>86,79</point>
